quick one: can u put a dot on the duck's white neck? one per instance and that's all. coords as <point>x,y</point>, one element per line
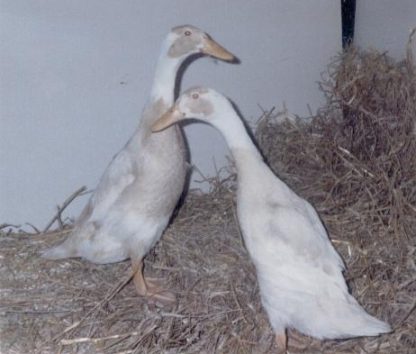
<point>165,77</point>
<point>239,141</point>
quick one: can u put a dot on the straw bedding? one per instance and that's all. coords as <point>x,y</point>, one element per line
<point>355,161</point>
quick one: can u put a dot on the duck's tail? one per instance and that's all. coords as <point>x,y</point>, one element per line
<point>364,324</point>
<point>65,250</point>
<point>73,244</point>
<point>350,320</point>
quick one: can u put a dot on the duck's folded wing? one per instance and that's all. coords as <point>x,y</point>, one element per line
<point>117,177</point>
<point>294,259</point>
<point>301,234</point>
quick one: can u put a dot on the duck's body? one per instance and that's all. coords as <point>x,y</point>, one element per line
<point>134,199</point>
<point>299,271</point>
<point>132,204</point>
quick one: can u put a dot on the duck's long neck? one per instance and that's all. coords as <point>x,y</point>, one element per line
<point>245,152</point>
<point>165,78</point>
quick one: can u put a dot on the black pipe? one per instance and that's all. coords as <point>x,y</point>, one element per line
<point>348,22</point>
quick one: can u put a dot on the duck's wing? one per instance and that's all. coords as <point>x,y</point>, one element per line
<point>298,228</point>
<point>117,177</point>
<point>320,230</point>
<point>293,257</point>
<point>119,174</point>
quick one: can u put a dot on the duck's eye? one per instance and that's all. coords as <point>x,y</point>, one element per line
<point>188,33</point>
<point>195,96</point>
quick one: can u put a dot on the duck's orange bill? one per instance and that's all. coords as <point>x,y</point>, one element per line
<point>215,50</point>
<point>172,116</point>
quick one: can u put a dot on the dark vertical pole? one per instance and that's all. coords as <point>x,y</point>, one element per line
<point>348,21</point>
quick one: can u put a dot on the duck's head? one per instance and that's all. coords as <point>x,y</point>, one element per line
<point>183,41</point>
<point>199,103</point>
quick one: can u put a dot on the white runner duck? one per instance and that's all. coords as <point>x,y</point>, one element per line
<point>140,188</point>
<point>299,272</point>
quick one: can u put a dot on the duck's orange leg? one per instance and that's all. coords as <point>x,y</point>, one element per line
<point>149,287</point>
<point>281,342</point>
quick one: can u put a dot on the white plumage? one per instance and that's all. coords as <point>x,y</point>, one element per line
<point>140,188</point>
<point>299,272</point>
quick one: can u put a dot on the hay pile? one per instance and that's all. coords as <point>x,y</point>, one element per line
<point>357,169</point>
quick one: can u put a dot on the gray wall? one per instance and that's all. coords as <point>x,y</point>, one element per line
<point>385,25</point>
<point>75,75</point>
